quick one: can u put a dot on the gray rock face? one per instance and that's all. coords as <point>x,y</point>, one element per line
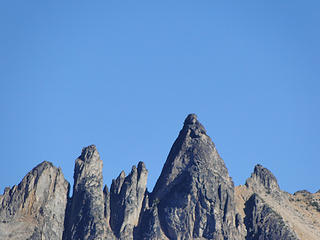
<point>194,198</point>
<point>274,214</point>
<point>150,226</point>
<point>85,218</point>
<point>263,223</point>
<point>262,178</point>
<point>126,198</point>
<point>35,208</point>
<point>194,194</point>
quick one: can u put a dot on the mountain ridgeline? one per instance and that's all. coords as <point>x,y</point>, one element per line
<point>194,198</point>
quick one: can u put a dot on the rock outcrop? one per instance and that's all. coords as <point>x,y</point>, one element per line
<point>35,209</point>
<point>262,180</point>
<point>194,198</point>
<point>270,213</point>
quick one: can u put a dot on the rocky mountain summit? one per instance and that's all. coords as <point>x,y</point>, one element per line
<point>194,198</point>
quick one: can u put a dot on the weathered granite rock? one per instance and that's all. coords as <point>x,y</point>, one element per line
<point>35,209</point>
<point>262,179</point>
<point>263,223</point>
<point>311,200</point>
<point>194,194</point>
<point>150,227</point>
<point>126,198</point>
<point>270,213</point>
<point>86,211</point>
<point>109,233</point>
<point>194,198</point>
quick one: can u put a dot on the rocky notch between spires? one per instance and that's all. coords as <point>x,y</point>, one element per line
<point>194,198</point>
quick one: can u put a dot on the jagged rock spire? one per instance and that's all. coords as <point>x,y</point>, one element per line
<point>86,218</point>
<point>194,194</point>
<point>192,150</point>
<point>126,198</point>
<point>262,179</point>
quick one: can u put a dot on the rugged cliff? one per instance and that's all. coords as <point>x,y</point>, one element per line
<point>35,209</point>
<point>194,198</point>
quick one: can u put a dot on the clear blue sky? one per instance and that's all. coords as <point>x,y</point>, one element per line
<point>124,74</point>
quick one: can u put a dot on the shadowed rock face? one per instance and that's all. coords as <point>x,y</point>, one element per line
<point>35,208</point>
<point>263,223</point>
<point>194,198</point>
<point>126,198</point>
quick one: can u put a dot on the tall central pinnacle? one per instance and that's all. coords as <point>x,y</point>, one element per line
<point>196,128</point>
<point>192,151</point>
<point>194,193</point>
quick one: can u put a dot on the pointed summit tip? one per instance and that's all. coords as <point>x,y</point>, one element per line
<point>191,119</point>
<point>88,152</point>
<point>91,147</point>
<point>192,123</point>
<point>263,176</point>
